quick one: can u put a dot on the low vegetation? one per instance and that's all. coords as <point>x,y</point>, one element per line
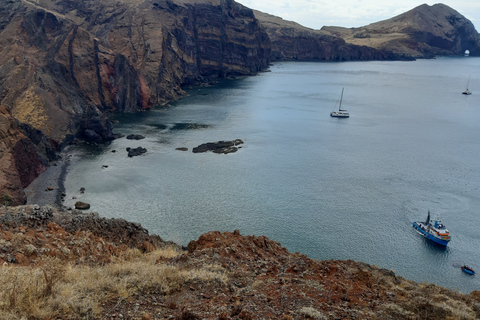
<point>55,288</point>
<point>6,199</point>
<point>51,268</point>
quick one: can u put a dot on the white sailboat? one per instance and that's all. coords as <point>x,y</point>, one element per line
<point>340,113</point>
<point>467,92</point>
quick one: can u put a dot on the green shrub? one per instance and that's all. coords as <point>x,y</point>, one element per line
<point>6,199</point>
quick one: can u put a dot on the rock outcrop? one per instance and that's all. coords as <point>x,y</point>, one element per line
<point>24,154</point>
<point>133,152</point>
<point>219,147</point>
<point>71,236</point>
<point>422,32</point>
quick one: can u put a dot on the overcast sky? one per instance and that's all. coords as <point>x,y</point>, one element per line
<point>352,13</point>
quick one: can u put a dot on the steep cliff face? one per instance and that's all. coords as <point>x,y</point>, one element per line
<point>24,153</point>
<point>65,64</point>
<point>422,32</point>
<point>292,41</point>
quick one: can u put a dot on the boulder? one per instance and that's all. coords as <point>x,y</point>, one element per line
<point>136,151</point>
<point>82,205</point>
<point>135,137</point>
<point>218,147</point>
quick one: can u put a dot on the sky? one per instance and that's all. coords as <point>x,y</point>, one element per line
<point>352,13</point>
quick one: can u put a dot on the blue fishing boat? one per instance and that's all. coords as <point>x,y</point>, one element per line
<point>433,230</point>
<point>468,270</point>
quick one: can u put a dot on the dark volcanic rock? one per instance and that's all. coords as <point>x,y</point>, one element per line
<point>136,151</point>
<point>135,137</point>
<point>218,147</point>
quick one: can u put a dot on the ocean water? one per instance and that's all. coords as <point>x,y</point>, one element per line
<point>326,187</point>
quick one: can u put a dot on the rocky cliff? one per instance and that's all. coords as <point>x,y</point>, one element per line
<point>292,41</point>
<point>65,65</point>
<point>422,32</point>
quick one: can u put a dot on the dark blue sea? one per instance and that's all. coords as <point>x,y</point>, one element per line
<point>326,187</point>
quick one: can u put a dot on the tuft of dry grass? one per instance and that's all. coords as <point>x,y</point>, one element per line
<point>311,313</point>
<point>56,288</point>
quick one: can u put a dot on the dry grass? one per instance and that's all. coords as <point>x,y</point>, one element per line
<point>58,288</point>
<point>30,108</point>
<point>311,313</point>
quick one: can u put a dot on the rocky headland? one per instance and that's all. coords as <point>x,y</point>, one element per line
<point>423,32</point>
<point>292,41</point>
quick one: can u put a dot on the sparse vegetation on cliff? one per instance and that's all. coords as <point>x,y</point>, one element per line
<point>49,272</point>
<point>6,199</point>
<point>55,289</point>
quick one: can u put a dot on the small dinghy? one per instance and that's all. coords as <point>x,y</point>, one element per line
<point>468,270</point>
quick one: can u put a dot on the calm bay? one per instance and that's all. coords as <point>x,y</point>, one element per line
<point>326,187</point>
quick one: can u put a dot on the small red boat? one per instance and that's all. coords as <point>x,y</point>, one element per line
<point>468,270</point>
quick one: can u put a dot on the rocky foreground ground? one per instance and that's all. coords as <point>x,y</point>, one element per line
<point>219,276</point>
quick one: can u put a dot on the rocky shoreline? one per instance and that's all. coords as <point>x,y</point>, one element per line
<point>49,187</point>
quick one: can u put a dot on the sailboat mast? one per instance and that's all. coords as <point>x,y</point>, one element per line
<point>341,98</point>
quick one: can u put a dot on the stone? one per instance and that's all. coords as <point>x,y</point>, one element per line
<point>218,147</point>
<point>135,137</point>
<point>82,205</point>
<point>136,151</point>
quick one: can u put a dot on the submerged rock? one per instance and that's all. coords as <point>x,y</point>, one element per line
<point>219,147</point>
<point>135,137</point>
<point>136,151</point>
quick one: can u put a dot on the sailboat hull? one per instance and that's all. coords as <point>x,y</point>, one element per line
<point>339,114</point>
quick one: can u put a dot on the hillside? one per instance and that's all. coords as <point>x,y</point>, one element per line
<point>73,265</point>
<point>422,32</point>
<point>292,41</point>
